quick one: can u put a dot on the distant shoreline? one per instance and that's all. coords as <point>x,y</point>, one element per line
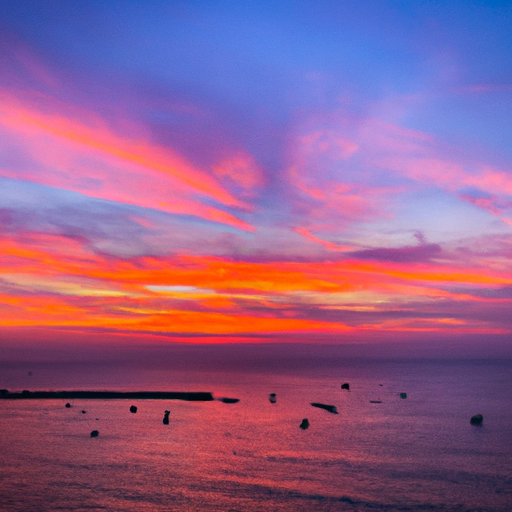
<point>191,396</point>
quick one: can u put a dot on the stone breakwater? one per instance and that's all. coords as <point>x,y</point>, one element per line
<point>191,396</point>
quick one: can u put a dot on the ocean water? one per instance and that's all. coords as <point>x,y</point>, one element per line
<point>413,454</point>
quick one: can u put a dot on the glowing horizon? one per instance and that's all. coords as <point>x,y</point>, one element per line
<point>204,173</point>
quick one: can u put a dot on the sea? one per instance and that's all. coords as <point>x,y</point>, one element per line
<point>381,452</point>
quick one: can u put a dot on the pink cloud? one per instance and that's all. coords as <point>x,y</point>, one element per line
<point>492,204</point>
<point>330,246</point>
<point>240,170</point>
<point>89,158</point>
<point>322,185</point>
<point>424,159</point>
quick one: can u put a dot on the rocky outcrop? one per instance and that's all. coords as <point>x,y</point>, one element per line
<point>133,409</point>
<point>477,419</point>
<point>95,433</point>
<point>346,386</point>
<point>330,408</point>
<point>305,424</point>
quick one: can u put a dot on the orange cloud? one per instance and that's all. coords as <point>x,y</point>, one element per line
<point>54,281</point>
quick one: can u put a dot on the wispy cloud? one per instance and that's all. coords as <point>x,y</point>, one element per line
<point>91,159</point>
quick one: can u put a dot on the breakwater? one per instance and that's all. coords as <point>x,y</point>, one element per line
<point>191,396</point>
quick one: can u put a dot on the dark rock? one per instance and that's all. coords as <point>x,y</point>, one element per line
<point>95,433</point>
<point>381,385</point>
<point>375,401</point>
<point>166,417</point>
<point>330,408</point>
<point>68,405</point>
<point>272,398</point>
<point>346,386</point>
<point>229,400</point>
<point>403,395</point>
<point>83,412</point>
<point>4,392</point>
<point>133,409</point>
<point>305,424</point>
<point>477,419</point>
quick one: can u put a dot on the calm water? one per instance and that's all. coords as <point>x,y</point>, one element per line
<point>417,454</point>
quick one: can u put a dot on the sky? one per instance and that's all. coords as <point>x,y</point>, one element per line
<point>255,172</point>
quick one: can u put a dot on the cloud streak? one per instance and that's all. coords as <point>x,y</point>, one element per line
<point>150,175</point>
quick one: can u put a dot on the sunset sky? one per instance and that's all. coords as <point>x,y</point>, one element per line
<point>237,171</point>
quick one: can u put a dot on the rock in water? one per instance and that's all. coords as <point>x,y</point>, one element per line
<point>166,417</point>
<point>133,409</point>
<point>227,400</point>
<point>346,386</point>
<point>272,398</point>
<point>477,419</point>
<point>403,395</point>
<point>330,408</point>
<point>305,424</point>
<point>95,433</point>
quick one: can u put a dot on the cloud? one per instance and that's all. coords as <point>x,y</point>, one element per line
<point>425,159</point>
<point>330,246</point>
<point>407,254</point>
<point>323,189</point>
<point>491,203</point>
<point>240,170</point>
<point>88,157</point>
